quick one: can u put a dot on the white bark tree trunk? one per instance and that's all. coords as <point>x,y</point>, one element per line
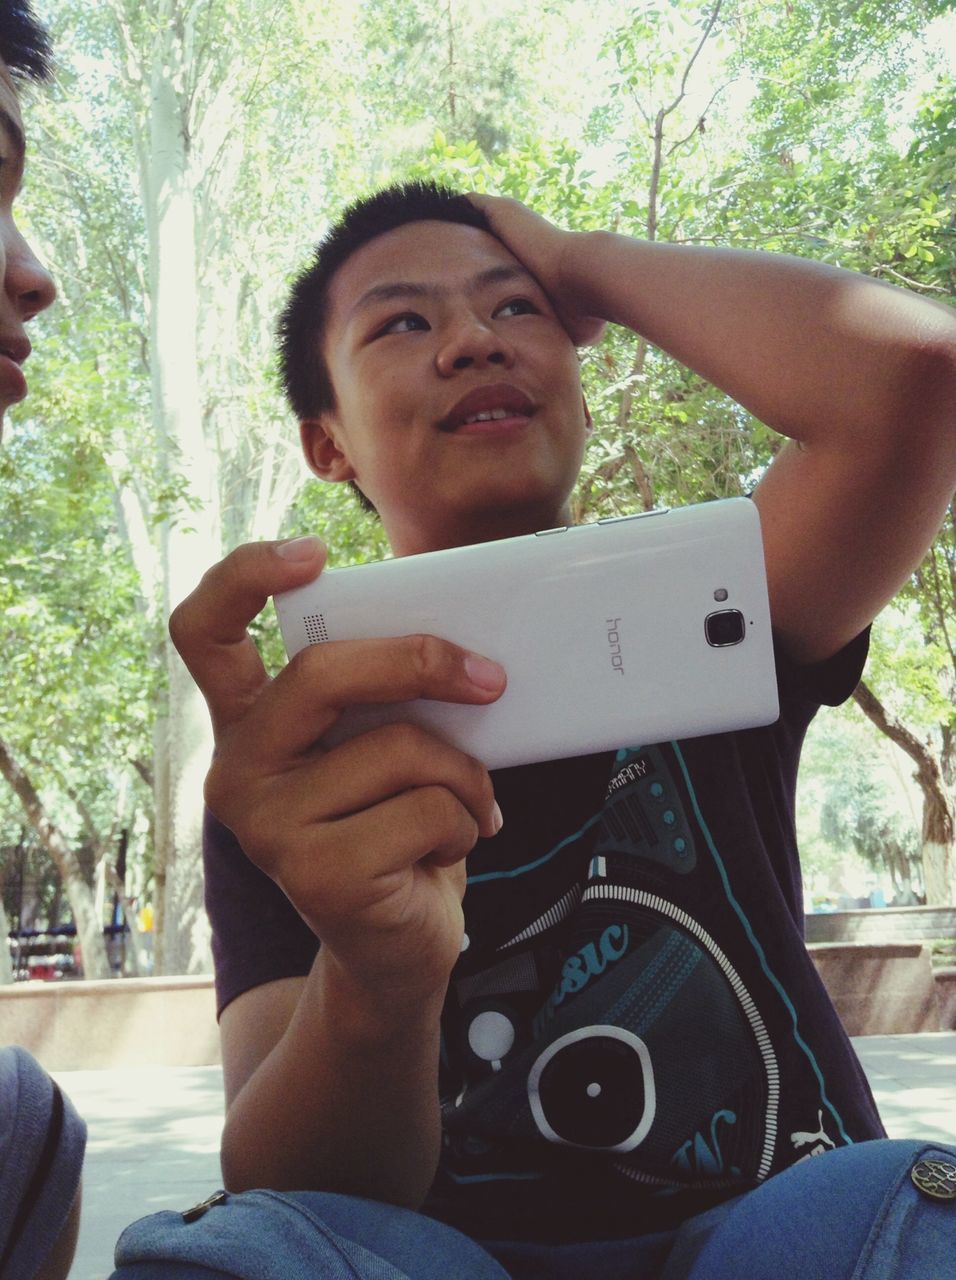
<point>938,838</point>
<point>191,542</point>
<point>939,873</point>
<point>6,964</point>
<point>187,93</point>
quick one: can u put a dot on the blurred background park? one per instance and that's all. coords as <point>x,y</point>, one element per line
<point>187,157</point>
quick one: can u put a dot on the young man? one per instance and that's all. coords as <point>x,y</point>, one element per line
<point>613,1059</point>
<point>42,1139</point>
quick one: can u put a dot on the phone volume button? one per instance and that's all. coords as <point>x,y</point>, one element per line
<point>543,533</point>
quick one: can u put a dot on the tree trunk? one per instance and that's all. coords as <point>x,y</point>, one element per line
<point>191,542</point>
<point>6,965</point>
<point>89,930</point>
<point>938,837</point>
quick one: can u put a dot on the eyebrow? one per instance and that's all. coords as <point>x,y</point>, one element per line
<point>399,289</point>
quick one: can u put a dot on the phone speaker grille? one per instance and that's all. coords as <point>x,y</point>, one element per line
<point>315,628</point>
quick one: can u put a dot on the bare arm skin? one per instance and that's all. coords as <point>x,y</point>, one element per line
<point>332,1079</point>
<point>859,374</point>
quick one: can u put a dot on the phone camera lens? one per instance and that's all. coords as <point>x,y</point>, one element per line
<point>725,627</point>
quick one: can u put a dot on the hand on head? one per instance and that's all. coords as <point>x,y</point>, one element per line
<point>542,247</point>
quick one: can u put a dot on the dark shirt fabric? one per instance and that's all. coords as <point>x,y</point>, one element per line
<point>634,1030</point>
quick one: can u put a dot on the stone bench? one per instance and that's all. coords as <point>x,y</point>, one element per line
<point>879,988</point>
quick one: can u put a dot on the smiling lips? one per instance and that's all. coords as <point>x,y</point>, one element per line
<point>489,408</point>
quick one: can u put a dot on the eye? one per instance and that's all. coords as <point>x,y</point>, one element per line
<point>409,322</point>
<point>517,307</point>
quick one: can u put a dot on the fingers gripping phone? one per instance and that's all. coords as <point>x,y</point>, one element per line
<point>632,630</point>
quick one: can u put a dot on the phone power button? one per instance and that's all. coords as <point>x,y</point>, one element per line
<point>638,515</point>
<point>543,533</point>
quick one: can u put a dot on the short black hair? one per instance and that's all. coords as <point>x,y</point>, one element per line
<point>301,329</point>
<point>24,44</point>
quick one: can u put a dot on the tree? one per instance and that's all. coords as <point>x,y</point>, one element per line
<point>88,927</point>
<point>185,140</point>
<point>71,693</point>
<point>916,710</point>
<point>857,808</point>
<point>818,168</point>
<point>842,160</point>
<point>187,158</point>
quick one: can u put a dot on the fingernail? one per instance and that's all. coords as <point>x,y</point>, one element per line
<point>484,673</point>
<point>496,818</point>
<point>299,549</point>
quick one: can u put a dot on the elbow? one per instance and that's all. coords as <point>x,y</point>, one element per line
<point>240,1171</point>
<point>915,434</point>
<point>929,392</point>
<point>249,1159</point>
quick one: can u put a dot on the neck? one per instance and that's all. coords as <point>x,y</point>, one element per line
<point>411,538</point>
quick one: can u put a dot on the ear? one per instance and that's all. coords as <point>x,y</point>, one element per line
<point>322,451</point>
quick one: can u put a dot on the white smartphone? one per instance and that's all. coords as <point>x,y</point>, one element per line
<point>628,631</point>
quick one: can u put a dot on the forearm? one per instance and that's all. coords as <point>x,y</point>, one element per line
<point>809,349</point>
<point>347,1101</point>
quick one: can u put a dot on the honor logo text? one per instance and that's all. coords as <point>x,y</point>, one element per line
<point>614,643</point>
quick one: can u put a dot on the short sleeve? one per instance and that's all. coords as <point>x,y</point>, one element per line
<point>828,683</point>
<point>257,934</point>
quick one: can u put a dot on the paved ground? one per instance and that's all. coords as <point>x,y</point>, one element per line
<point>154,1133</point>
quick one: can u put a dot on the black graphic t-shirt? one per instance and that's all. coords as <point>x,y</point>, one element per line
<point>634,1030</point>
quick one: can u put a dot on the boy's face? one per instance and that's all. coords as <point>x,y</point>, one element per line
<point>27,288</point>
<point>428,327</point>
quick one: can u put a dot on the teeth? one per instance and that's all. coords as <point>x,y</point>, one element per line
<point>488,415</point>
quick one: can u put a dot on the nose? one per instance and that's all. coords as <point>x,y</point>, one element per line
<point>474,345</point>
<point>26,282</point>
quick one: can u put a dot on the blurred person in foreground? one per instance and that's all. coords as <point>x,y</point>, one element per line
<point>42,1139</point>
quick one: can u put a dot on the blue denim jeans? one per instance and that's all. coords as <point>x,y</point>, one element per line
<point>852,1214</point>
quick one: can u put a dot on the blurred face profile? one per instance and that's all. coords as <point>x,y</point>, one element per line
<point>27,286</point>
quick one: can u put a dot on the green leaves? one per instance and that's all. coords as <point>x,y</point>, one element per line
<point>794,127</point>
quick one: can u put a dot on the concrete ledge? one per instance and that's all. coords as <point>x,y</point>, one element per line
<point>881,924</point>
<point>879,990</point>
<point>126,1022</point>
<point>886,989</point>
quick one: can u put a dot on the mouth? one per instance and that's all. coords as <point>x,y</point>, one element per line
<point>13,385</point>
<point>498,407</point>
<point>13,351</point>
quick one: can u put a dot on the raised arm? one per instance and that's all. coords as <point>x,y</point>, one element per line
<point>332,1079</point>
<point>859,374</point>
